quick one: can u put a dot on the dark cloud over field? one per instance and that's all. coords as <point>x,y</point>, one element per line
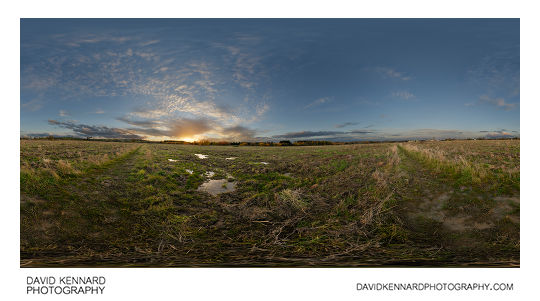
<point>179,128</point>
<point>345,124</point>
<point>95,131</point>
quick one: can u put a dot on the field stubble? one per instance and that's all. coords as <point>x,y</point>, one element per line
<point>89,203</point>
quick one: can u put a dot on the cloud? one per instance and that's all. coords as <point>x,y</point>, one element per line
<point>172,81</point>
<point>95,131</point>
<point>190,128</point>
<point>502,133</point>
<point>141,123</point>
<point>391,134</point>
<point>322,134</point>
<point>261,108</point>
<point>339,126</point>
<point>238,133</point>
<point>430,133</point>
<point>63,113</point>
<point>245,63</point>
<point>497,73</point>
<point>499,102</point>
<point>33,105</point>
<point>317,102</point>
<point>449,133</point>
<point>497,135</point>
<point>403,95</point>
<point>99,111</point>
<point>43,135</point>
<point>148,43</point>
<point>172,128</point>
<point>391,73</point>
<point>92,39</point>
<point>307,134</point>
<point>360,132</point>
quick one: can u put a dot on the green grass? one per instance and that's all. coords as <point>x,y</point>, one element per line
<point>316,205</point>
<point>463,172</point>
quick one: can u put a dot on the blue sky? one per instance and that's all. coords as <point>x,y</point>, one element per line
<point>270,79</point>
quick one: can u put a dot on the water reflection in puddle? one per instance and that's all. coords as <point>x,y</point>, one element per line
<point>230,158</point>
<point>215,187</point>
<point>172,160</point>
<point>265,163</point>
<point>201,156</point>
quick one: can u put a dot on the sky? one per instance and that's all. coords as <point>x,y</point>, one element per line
<point>270,79</point>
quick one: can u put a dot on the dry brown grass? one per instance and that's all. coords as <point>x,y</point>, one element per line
<point>441,162</point>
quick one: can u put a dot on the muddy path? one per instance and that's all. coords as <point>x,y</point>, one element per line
<point>123,214</point>
<point>150,207</point>
<point>471,224</point>
<point>76,213</point>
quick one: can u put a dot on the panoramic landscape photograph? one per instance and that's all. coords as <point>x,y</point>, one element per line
<point>269,142</point>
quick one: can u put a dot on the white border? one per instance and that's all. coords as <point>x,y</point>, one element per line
<point>271,283</point>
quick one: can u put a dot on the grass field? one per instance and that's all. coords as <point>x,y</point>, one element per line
<point>440,203</point>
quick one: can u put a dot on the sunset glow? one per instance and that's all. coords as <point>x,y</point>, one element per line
<point>270,79</point>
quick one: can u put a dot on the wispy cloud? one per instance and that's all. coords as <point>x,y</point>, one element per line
<point>403,95</point>
<point>325,135</point>
<point>148,43</point>
<point>393,134</point>
<point>502,133</point>
<point>261,109</point>
<point>63,113</point>
<point>33,105</point>
<point>317,102</point>
<point>92,39</point>
<point>174,82</point>
<point>342,125</point>
<point>392,73</point>
<point>99,111</point>
<point>245,62</point>
<point>499,102</point>
<point>498,73</point>
<point>307,134</point>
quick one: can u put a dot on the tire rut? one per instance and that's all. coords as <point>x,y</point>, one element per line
<point>441,213</point>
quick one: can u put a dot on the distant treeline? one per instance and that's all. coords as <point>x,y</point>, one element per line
<point>267,143</point>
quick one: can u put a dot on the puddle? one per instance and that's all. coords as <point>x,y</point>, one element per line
<point>514,200</point>
<point>215,187</point>
<point>209,174</point>
<point>201,156</point>
<point>189,171</point>
<point>432,207</point>
<point>504,209</point>
<point>462,223</point>
<point>230,158</point>
<point>172,160</point>
<point>514,219</point>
